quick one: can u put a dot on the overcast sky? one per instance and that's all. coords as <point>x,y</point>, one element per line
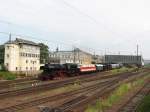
<point>100,26</point>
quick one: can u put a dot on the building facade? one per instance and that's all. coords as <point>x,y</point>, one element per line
<point>123,59</point>
<point>22,55</point>
<point>75,56</point>
<point>97,59</point>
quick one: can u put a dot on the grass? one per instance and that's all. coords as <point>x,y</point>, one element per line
<point>145,105</point>
<point>121,70</point>
<point>147,66</point>
<point>116,96</point>
<point>7,75</point>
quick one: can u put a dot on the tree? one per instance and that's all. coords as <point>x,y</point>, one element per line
<point>44,53</point>
<point>2,52</point>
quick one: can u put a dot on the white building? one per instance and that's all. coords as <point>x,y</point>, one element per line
<point>75,56</point>
<point>22,55</point>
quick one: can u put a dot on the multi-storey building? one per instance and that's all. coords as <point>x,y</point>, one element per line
<point>124,59</point>
<point>22,55</point>
<point>97,59</point>
<point>74,56</point>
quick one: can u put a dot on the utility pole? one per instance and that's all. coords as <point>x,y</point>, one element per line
<point>10,37</point>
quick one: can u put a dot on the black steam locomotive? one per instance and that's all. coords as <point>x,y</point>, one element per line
<point>51,71</point>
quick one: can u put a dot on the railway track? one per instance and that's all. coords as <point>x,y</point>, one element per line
<point>52,98</point>
<point>54,85</point>
<point>11,87</point>
<point>132,104</point>
<point>81,105</point>
<point>9,84</point>
<point>23,80</point>
<point>83,91</point>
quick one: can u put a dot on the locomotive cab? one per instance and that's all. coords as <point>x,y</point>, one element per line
<point>71,69</point>
<point>50,71</point>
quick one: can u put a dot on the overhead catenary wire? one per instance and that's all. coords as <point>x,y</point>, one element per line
<point>40,40</point>
<point>79,11</point>
<point>72,7</point>
<point>66,3</point>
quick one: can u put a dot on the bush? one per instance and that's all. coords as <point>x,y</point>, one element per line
<point>3,68</point>
<point>145,105</point>
<point>7,75</point>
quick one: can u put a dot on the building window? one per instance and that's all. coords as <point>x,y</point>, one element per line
<point>26,68</point>
<point>29,55</point>
<point>16,68</point>
<point>26,61</point>
<point>30,68</point>
<point>7,64</point>
<point>7,55</point>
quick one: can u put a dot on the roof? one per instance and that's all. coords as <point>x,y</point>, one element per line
<point>71,51</point>
<point>22,41</point>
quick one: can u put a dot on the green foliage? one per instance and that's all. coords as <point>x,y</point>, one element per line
<point>147,66</point>
<point>77,82</point>
<point>121,70</point>
<point>44,53</point>
<point>116,96</point>
<point>95,108</point>
<point>145,105</point>
<point>2,50</point>
<point>7,75</point>
<point>2,67</point>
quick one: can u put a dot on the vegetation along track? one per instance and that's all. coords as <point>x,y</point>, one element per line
<point>100,86</point>
<point>132,104</point>
<point>26,84</point>
<point>81,104</point>
<point>51,98</point>
<point>57,84</point>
